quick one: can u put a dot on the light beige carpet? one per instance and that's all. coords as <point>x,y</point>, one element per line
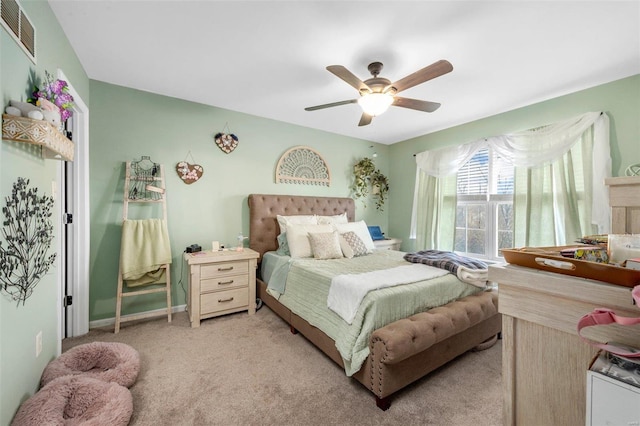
<point>250,370</point>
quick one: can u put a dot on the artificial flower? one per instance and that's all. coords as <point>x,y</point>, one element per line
<point>56,92</point>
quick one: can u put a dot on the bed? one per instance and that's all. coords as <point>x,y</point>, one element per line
<point>399,353</point>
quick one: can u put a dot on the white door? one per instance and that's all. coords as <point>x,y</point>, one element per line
<point>73,185</point>
<point>68,257</point>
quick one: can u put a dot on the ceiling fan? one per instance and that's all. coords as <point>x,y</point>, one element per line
<point>378,93</point>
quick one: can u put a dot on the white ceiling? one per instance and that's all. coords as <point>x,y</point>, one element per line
<point>268,58</point>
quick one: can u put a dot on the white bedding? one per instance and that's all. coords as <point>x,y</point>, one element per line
<point>348,290</point>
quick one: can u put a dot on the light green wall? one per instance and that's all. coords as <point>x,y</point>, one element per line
<point>126,124</point>
<point>619,99</point>
<point>20,370</point>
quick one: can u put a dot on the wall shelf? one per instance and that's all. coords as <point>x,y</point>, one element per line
<point>21,129</point>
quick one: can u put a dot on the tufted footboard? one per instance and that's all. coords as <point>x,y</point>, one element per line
<point>406,337</point>
<point>408,349</point>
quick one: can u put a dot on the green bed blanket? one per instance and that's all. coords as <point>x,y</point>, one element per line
<point>307,288</point>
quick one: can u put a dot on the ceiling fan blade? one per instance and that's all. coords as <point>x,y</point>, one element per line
<point>365,119</point>
<point>346,75</point>
<point>425,74</point>
<point>313,108</point>
<point>417,104</point>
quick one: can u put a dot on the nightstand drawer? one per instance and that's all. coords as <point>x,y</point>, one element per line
<point>385,247</point>
<point>388,244</point>
<point>223,300</point>
<point>221,283</point>
<point>222,269</point>
<point>224,283</point>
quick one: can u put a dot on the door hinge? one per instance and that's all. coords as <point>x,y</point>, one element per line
<point>68,301</point>
<point>67,218</point>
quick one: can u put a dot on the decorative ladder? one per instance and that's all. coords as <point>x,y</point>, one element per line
<point>144,183</point>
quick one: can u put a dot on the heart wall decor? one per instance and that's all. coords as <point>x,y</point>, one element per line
<point>188,172</point>
<point>227,142</point>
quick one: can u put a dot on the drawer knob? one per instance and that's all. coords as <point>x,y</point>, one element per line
<point>225,300</point>
<point>225,282</point>
<point>230,268</point>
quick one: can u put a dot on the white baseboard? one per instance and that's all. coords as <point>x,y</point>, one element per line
<point>112,321</point>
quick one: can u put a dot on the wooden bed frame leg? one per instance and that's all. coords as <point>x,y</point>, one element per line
<point>293,330</point>
<point>383,403</point>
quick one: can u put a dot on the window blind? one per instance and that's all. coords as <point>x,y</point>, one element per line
<point>484,174</point>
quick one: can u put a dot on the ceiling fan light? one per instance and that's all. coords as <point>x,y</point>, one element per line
<point>375,104</point>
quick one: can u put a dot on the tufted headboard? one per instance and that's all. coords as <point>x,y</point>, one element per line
<point>263,209</point>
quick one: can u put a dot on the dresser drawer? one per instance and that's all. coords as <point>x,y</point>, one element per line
<point>223,300</point>
<point>222,269</point>
<point>224,283</point>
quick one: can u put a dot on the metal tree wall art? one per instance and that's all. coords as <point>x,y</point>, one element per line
<point>27,232</point>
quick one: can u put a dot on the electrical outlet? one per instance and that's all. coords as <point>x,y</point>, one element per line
<point>38,343</point>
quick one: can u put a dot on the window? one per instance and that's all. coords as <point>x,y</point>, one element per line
<point>469,200</point>
<point>484,211</point>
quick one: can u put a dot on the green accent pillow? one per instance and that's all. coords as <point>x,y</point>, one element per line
<point>283,245</point>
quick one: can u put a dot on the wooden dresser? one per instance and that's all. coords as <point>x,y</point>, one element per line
<point>221,282</point>
<point>624,199</point>
<point>544,361</point>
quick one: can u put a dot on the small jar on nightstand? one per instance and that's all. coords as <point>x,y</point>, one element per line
<point>388,244</point>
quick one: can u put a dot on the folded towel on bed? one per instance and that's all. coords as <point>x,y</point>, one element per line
<point>144,248</point>
<point>469,270</point>
<point>347,290</point>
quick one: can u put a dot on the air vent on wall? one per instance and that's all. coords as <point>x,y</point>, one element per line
<point>15,21</point>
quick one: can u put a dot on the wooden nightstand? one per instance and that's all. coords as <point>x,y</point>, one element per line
<point>220,283</point>
<point>388,244</point>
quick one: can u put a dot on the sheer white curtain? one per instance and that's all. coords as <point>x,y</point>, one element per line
<point>433,218</point>
<point>559,185</point>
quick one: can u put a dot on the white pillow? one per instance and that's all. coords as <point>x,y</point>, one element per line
<point>298,238</point>
<point>300,219</point>
<point>360,229</point>
<point>332,220</point>
<point>325,245</point>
